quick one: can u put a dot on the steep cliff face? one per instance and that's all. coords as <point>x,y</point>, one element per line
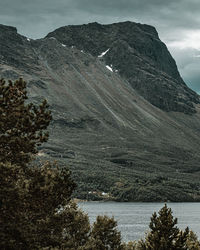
<point>136,52</point>
<point>113,139</point>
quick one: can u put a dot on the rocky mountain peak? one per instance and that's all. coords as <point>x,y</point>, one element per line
<point>112,139</point>
<point>13,46</point>
<point>5,28</point>
<point>136,52</point>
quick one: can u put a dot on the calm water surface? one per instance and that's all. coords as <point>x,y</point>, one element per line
<point>133,218</point>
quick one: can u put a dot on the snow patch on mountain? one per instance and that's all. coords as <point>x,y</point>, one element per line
<point>108,67</point>
<point>103,53</point>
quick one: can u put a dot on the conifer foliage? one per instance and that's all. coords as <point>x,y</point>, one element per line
<point>164,234</point>
<point>22,125</point>
<point>104,234</point>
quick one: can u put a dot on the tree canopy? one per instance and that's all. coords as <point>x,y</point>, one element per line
<point>22,125</point>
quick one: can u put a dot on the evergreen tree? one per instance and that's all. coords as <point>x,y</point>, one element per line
<point>192,241</point>
<point>104,235</point>
<point>164,235</point>
<point>22,125</point>
<point>36,210</point>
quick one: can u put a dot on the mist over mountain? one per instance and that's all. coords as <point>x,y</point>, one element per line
<point>124,121</point>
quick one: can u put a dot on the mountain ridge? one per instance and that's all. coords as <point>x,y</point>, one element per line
<point>114,140</point>
<point>141,55</point>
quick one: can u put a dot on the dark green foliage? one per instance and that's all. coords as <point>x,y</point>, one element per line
<point>37,212</point>
<point>21,125</point>
<point>30,199</point>
<point>192,241</point>
<point>104,234</point>
<point>164,235</point>
<point>128,186</point>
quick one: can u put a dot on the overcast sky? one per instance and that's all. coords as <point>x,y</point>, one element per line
<point>177,22</point>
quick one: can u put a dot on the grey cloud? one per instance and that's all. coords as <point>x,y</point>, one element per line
<point>181,12</point>
<point>159,13</point>
<point>191,74</point>
<point>36,18</point>
<point>188,61</point>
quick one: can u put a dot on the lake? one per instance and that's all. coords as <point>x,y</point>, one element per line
<point>134,217</point>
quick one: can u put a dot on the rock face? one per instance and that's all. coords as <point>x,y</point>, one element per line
<point>114,140</point>
<point>137,53</point>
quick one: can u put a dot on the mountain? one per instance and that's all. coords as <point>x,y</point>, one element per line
<point>124,121</point>
<point>137,53</point>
